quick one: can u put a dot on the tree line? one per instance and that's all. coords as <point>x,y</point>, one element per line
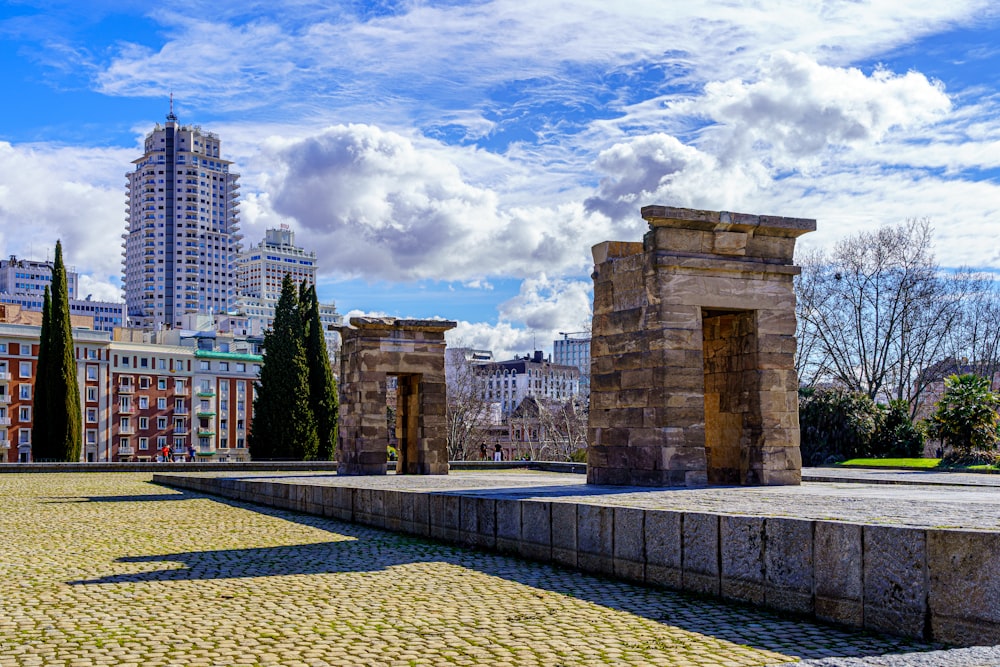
<point>879,323</point>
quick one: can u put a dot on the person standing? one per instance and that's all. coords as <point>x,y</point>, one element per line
<point>497,453</point>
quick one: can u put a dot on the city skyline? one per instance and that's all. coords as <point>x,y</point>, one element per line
<point>460,160</point>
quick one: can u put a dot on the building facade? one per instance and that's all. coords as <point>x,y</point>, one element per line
<point>574,352</point>
<point>23,283</point>
<point>259,273</point>
<point>136,397</point>
<point>182,232</point>
<point>508,383</point>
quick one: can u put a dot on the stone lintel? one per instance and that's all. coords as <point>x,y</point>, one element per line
<point>602,252</point>
<point>726,221</point>
<point>393,324</point>
<point>699,263</point>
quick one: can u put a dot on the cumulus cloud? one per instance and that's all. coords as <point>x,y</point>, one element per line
<point>531,320</point>
<point>374,205</point>
<point>51,193</point>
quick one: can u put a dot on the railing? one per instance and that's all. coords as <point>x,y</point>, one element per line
<point>4,376</point>
<point>4,444</point>
<point>4,421</point>
<point>126,451</point>
<point>126,409</point>
<point>126,388</point>
<point>4,398</point>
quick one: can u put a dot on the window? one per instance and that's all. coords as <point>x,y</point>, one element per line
<point>24,414</point>
<point>144,382</point>
<point>91,372</point>
<point>25,349</point>
<point>161,383</point>
<point>144,443</point>
<point>126,425</point>
<point>161,441</point>
<point>143,423</point>
<point>24,391</point>
<point>161,423</point>
<point>91,415</point>
<point>223,365</point>
<point>223,443</point>
<point>161,403</point>
<point>179,386</point>
<point>24,436</point>
<point>144,402</point>
<point>241,368</point>
<point>91,436</point>
<point>91,394</point>
<point>24,369</point>
<point>179,405</point>
<point>204,365</point>
<point>3,348</point>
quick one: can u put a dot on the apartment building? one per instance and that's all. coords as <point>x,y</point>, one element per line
<point>182,227</point>
<point>136,397</point>
<point>23,283</point>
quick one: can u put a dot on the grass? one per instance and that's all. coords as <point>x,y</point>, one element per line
<point>915,464</point>
<point>911,464</point>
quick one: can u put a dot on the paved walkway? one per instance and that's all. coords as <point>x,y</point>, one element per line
<point>108,569</point>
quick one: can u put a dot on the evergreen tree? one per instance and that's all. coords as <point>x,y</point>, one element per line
<point>322,385</point>
<point>58,406</point>
<point>42,448</point>
<point>283,425</point>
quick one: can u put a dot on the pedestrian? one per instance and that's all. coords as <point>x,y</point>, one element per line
<point>166,454</point>
<point>497,453</point>
<point>191,453</point>
<point>482,451</point>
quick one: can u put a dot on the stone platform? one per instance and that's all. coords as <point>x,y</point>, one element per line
<point>914,560</point>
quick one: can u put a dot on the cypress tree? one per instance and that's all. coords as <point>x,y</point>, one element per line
<point>42,444</point>
<point>322,386</point>
<point>283,425</point>
<point>58,407</point>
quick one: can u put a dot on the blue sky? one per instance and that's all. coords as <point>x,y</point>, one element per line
<point>460,159</point>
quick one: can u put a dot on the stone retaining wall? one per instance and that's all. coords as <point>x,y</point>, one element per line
<point>933,584</point>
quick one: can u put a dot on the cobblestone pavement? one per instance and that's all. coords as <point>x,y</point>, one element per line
<point>108,569</point>
<point>937,506</point>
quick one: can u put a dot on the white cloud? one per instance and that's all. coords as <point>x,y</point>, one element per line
<point>374,205</point>
<point>48,193</point>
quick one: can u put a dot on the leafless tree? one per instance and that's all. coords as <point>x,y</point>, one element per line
<point>469,412</point>
<point>876,311</point>
<point>974,346</point>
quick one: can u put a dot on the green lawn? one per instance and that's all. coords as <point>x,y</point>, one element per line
<point>910,464</point>
<point>891,463</point>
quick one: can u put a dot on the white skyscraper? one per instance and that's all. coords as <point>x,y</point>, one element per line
<point>259,272</point>
<point>183,224</point>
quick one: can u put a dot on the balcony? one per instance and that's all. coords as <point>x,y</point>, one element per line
<point>180,391</point>
<point>205,414</point>
<point>206,393</point>
<point>126,409</point>
<point>4,444</point>
<point>4,421</point>
<point>4,376</point>
<point>126,389</point>
<point>180,431</point>
<point>126,451</point>
<point>4,398</point>
<point>206,433</point>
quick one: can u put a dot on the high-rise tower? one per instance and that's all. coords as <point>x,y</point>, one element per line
<point>183,224</point>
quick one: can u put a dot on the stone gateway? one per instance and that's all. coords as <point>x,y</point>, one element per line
<point>692,356</point>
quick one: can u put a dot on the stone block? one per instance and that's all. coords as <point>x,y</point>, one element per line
<point>392,512</point>
<point>629,543</point>
<point>964,594</point>
<point>700,553</point>
<point>508,513</point>
<point>742,561</point>
<point>788,564</point>
<point>595,538</point>
<point>895,580</point>
<point>838,572</point>
<point>564,522</point>
<point>663,548</point>
<point>468,533</point>
<point>536,530</point>
<point>420,516</point>
<point>486,518</point>
<point>445,517</point>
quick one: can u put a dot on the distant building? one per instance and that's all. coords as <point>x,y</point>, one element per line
<point>182,231</point>
<point>508,383</point>
<point>139,392</point>
<point>23,282</point>
<point>574,352</point>
<point>259,273</point>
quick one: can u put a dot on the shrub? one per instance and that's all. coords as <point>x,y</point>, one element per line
<point>966,416</point>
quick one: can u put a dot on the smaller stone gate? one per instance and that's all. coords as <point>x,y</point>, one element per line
<point>373,349</point>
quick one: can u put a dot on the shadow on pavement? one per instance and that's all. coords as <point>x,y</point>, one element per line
<point>364,549</point>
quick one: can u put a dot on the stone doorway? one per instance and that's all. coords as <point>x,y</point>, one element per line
<point>373,350</point>
<point>733,430</point>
